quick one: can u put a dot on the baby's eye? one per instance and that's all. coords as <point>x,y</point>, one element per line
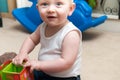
<point>44,4</point>
<point>58,4</point>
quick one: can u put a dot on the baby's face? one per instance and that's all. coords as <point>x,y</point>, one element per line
<point>55,12</point>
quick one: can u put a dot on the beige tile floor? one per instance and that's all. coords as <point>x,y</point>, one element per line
<point>101,50</point>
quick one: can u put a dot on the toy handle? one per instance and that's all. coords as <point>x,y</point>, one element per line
<point>5,64</point>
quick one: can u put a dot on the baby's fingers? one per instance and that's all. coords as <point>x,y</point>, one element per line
<point>31,69</point>
<point>27,64</point>
<point>17,61</point>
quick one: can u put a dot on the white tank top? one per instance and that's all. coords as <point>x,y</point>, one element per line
<point>51,49</point>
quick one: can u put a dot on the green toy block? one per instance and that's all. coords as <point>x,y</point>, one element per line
<point>13,72</point>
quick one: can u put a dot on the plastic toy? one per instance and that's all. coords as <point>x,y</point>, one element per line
<point>30,19</point>
<point>9,71</point>
<point>92,3</point>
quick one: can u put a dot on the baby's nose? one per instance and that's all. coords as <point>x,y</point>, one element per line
<point>51,8</point>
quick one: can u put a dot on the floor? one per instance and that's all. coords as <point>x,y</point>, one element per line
<point>101,49</point>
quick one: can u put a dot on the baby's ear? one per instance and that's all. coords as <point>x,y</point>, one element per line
<point>37,6</point>
<point>72,8</point>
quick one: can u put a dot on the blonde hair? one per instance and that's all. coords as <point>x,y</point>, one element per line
<point>70,0</point>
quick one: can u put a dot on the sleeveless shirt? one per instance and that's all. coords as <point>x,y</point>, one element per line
<point>51,49</point>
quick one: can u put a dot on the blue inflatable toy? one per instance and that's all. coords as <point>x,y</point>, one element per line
<point>81,17</point>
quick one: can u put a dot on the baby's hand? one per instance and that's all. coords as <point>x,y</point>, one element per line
<point>33,64</point>
<point>19,59</point>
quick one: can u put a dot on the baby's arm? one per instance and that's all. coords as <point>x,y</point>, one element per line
<point>27,46</point>
<point>70,48</point>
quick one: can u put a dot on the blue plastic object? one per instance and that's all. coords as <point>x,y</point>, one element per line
<point>81,17</point>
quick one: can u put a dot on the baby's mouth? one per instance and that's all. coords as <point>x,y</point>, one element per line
<point>51,17</point>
